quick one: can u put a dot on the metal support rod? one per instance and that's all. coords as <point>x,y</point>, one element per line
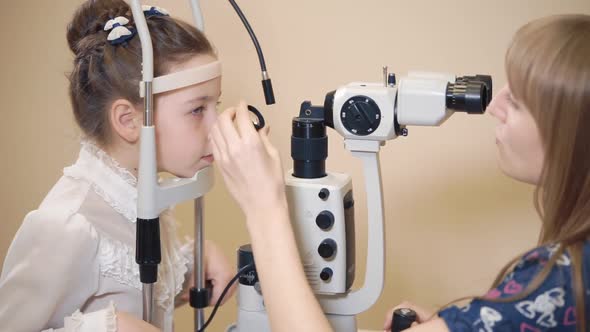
<point>148,117</point>
<point>148,309</point>
<point>199,274</point>
<point>197,15</point>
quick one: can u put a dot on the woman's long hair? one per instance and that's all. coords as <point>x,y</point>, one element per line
<point>548,69</point>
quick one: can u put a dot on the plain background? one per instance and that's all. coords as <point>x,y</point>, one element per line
<point>452,218</point>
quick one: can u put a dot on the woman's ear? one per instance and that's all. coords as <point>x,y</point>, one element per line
<point>125,120</point>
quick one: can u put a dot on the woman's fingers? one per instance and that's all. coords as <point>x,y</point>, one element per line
<point>249,163</point>
<point>244,122</point>
<point>218,140</point>
<point>421,313</point>
<point>264,132</point>
<point>225,122</point>
<point>270,149</point>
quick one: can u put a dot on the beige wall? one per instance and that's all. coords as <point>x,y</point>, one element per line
<point>452,218</point>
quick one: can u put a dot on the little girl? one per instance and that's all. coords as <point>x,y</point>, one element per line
<point>75,253</point>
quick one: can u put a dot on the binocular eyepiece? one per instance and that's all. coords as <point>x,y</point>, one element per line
<point>378,112</point>
<point>470,94</point>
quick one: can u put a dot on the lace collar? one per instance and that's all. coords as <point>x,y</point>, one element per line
<point>115,184</point>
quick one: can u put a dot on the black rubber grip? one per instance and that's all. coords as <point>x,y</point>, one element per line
<point>147,249</point>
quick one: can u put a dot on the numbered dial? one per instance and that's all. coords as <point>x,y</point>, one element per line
<point>360,115</point>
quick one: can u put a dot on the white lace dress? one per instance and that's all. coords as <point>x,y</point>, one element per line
<point>77,252</point>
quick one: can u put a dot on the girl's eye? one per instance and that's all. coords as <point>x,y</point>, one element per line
<point>198,110</point>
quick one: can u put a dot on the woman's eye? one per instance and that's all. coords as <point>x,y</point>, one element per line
<point>512,101</point>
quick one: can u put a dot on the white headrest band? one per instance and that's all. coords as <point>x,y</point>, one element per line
<point>183,78</point>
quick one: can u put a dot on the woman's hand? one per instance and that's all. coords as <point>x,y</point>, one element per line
<point>253,174</point>
<point>250,165</point>
<point>218,270</point>
<point>422,314</point>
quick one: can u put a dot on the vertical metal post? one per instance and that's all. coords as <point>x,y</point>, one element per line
<point>148,297</point>
<point>199,274</point>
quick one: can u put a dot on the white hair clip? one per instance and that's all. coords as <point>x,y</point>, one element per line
<point>119,32</point>
<point>154,11</point>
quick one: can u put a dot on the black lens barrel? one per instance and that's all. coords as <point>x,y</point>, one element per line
<point>485,79</point>
<point>470,94</point>
<point>309,148</point>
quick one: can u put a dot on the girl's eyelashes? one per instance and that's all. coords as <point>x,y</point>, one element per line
<point>201,109</point>
<point>198,111</point>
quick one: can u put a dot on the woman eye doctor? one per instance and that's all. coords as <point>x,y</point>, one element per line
<point>542,139</point>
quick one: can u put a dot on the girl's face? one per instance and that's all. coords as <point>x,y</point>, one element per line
<point>183,119</point>
<point>520,149</point>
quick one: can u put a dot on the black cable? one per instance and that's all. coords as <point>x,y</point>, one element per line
<point>241,271</point>
<point>251,32</point>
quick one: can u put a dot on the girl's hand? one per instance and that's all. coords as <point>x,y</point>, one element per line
<point>218,270</point>
<point>250,165</point>
<point>422,314</point>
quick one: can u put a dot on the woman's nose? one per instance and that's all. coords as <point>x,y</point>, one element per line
<point>497,107</point>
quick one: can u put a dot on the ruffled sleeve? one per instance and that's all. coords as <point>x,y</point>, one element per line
<point>98,321</point>
<point>50,271</point>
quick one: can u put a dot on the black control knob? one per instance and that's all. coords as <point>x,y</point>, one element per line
<point>325,220</point>
<point>326,274</point>
<point>403,319</point>
<point>246,257</point>
<point>360,115</point>
<point>327,248</point>
<point>324,194</point>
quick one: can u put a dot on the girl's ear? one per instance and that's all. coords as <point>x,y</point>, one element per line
<point>125,119</point>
